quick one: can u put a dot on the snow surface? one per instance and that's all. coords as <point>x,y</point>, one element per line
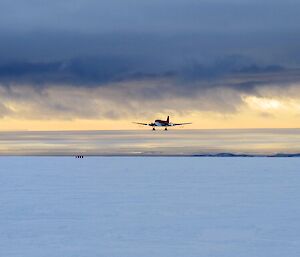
<point>149,206</point>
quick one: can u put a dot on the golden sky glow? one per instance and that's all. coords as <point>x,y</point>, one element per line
<point>256,113</point>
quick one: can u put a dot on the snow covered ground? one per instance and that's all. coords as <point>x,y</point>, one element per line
<point>149,206</point>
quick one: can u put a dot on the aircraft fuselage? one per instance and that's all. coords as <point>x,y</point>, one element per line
<point>161,123</point>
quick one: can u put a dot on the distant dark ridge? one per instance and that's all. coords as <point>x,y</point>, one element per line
<point>225,155</point>
<point>285,155</point>
<point>248,155</point>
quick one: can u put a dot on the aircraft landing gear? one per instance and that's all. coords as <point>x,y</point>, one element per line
<point>153,128</point>
<point>166,128</point>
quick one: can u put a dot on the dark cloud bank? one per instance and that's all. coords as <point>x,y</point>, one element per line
<point>106,70</point>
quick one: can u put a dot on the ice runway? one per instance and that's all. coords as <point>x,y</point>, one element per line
<point>149,206</point>
<point>175,142</point>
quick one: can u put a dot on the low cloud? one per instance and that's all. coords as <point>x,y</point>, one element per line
<point>144,95</point>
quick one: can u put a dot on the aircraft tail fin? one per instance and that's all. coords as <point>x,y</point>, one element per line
<point>168,119</point>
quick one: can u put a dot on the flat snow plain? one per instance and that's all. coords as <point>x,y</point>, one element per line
<point>149,206</point>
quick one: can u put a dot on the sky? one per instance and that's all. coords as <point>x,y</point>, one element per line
<point>90,64</point>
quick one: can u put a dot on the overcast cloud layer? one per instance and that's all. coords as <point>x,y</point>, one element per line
<point>217,50</point>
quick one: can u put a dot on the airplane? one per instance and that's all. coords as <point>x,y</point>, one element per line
<point>162,123</point>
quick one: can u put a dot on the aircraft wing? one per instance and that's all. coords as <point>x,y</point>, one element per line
<point>180,124</point>
<point>140,123</point>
